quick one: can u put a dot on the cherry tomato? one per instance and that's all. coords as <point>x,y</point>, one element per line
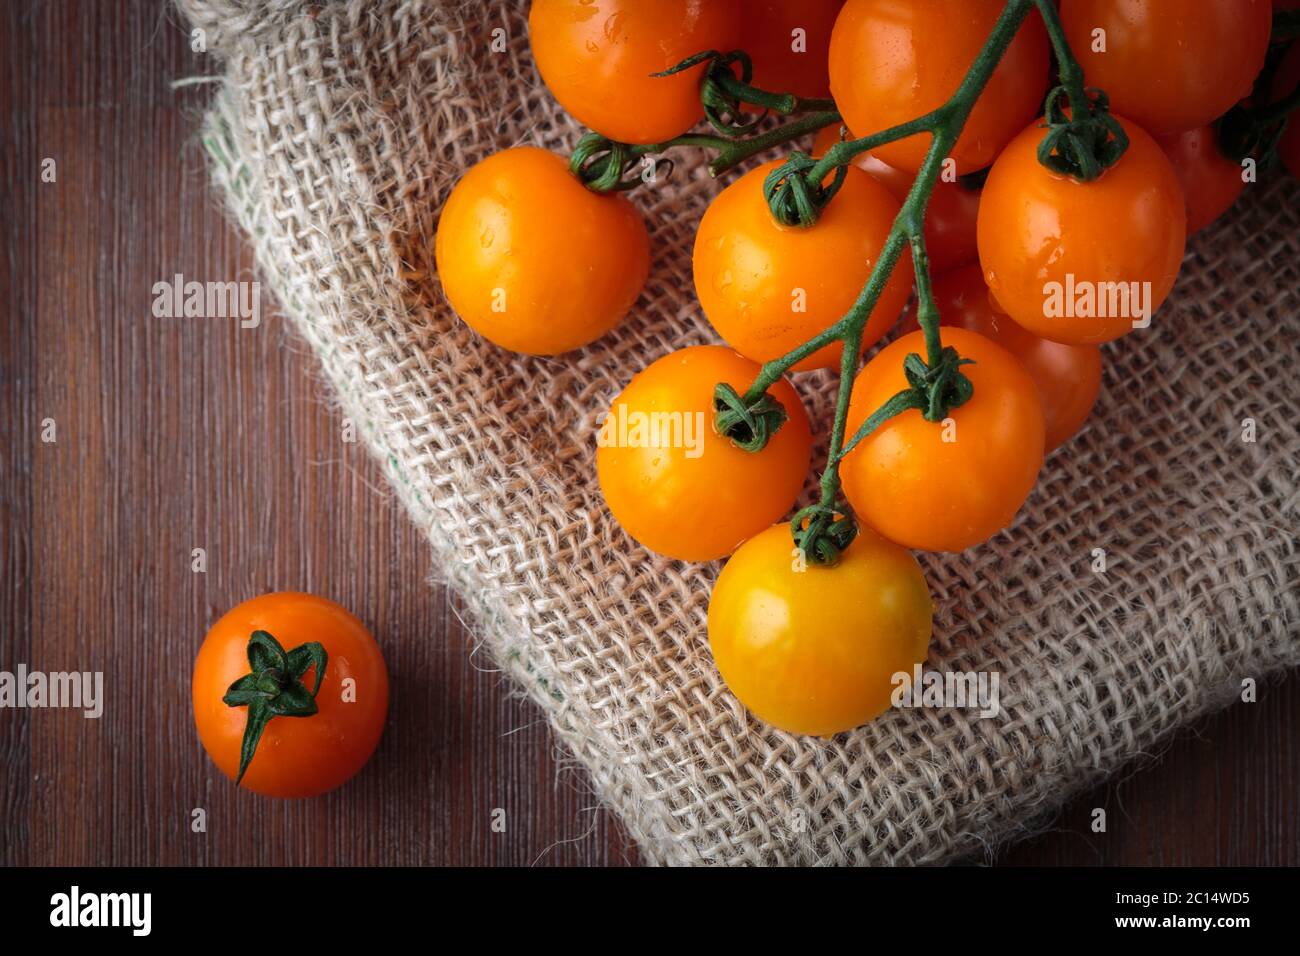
<point>788,41</point>
<point>672,481</point>
<point>949,217</point>
<point>1211,182</point>
<point>891,62</point>
<point>597,57</point>
<point>945,486</point>
<point>1082,262</point>
<point>813,650</point>
<point>295,756</point>
<point>1068,377</point>
<point>1169,65</point>
<point>508,276</point>
<point>768,288</point>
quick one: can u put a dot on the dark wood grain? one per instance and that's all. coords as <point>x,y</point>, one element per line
<point>174,434</point>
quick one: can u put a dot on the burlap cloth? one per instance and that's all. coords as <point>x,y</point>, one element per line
<point>337,133</point>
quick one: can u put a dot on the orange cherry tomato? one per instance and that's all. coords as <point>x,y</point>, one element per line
<point>672,481</point>
<point>1169,65</point>
<point>949,218</point>
<point>296,756</point>
<point>891,62</point>
<point>788,41</point>
<point>1082,262</point>
<point>937,486</point>
<point>507,276</point>
<point>1068,377</point>
<point>597,58</point>
<point>1211,182</point>
<point>814,650</point>
<point>768,288</point>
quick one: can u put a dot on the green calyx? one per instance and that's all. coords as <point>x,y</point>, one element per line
<point>749,426</point>
<point>941,387</point>
<point>274,688</point>
<point>793,199</point>
<point>604,165</point>
<point>822,533</point>
<point>1084,142</point>
<point>726,97</point>
<point>933,390</point>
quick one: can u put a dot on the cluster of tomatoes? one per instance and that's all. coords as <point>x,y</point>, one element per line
<point>1033,271</point>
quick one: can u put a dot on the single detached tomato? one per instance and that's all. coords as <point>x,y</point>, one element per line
<point>945,486</point>
<point>788,41</point>
<point>301,682</point>
<point>1068,377</point>
<point>508,275</point>
<point>1082,262</point>
<point>949,217</point>
<point>810,649</point>
<point>1211,182</point>
<point>891,62</point>
<point>672,481</point>
<point>597,57</point>
<point>1169,65</point>
<point>768,288</point>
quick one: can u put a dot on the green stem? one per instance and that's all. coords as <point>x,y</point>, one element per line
<point>785,104</point>
<point>596,151</point>
<point>1067,63</point>
<point>927,313</point>
<point>945,124</point>
<point>732,152</point>
<point>845,151</point>
<point>737,151</point>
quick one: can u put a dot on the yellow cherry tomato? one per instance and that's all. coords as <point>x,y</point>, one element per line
<point>812,649</point>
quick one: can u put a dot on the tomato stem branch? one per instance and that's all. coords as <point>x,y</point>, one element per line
<point>936,385</point>
<point>1067,63</point>
<point>736,152</point>
<point>605,165</point>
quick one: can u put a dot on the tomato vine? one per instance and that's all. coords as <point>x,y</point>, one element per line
<point>1082,140</point>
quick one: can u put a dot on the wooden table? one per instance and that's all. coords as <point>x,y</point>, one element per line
<point>176,434</point>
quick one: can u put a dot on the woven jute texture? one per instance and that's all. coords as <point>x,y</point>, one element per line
<point>337,133</point>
